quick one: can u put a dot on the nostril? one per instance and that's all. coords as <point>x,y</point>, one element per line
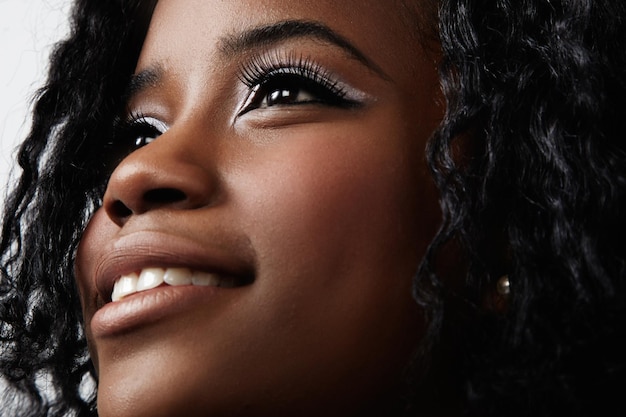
<point>152,199</point>
<point>119,210</point>
<point>163,196</point>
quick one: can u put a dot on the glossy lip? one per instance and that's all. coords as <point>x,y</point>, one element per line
<point>145,249</point>
<point>145,308</point>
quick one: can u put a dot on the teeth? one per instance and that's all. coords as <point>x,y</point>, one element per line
<point>204,279</point>
<point>178,276</point>
<point>127,284</point>
<point>149,278</point>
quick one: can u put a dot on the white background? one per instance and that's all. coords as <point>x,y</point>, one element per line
<point>28,30</point>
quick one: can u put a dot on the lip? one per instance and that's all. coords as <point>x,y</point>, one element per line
<point>147,249</point>
<point>145,308</point>
<point>144,249</point>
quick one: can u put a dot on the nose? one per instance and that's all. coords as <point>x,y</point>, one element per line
<point>161,175</point>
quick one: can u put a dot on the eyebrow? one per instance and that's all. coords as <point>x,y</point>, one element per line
<point>262,36</point>
<point>142,80</point>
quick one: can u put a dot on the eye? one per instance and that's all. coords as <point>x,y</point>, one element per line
<point>291,90</point>
<point>277,81</point>
<point>141,130</point>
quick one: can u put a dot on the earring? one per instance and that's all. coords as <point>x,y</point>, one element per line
<point>503,285</point>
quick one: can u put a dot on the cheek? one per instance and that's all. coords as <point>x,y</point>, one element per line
<point>339,223</point>
<point>327,193</point>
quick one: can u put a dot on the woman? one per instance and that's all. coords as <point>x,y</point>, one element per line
<point>226,209</point>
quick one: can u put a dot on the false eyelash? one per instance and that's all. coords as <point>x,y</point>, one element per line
<point>122,124</point>
<point>128,128</point>
<point>140,120</point>
<point>260,68</point>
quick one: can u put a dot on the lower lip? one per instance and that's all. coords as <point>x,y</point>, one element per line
<point>148,307</point>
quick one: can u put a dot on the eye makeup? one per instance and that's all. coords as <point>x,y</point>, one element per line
<point>137,130</point>
<point>276,79</point>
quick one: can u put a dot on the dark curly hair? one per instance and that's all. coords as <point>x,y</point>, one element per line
<point>530,162</point>
<point>44,356</point>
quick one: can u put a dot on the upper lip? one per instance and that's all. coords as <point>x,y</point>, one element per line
<point>144,249</point>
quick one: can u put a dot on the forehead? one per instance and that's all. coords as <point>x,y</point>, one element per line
<point>383,30</point>
<point>374,15</point>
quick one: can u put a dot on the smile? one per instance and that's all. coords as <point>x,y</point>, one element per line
<point>149,278</point>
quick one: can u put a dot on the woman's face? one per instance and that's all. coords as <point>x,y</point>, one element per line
<point>282,191</point>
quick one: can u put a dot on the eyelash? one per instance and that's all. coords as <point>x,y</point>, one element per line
<point>267,74</point>
<point>138,130</point>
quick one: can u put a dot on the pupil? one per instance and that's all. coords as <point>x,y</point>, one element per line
<point>143,140</point>
<point>284,95</point>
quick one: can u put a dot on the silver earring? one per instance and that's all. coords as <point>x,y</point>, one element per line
<point>503,285</point>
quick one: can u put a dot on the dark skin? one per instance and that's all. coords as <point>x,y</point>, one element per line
<point>290,167</point>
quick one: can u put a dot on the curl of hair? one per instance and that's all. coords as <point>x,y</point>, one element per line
<point>530,160</point>
<point>43,357</point>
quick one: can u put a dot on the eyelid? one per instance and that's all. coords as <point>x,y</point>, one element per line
<point>136,130</point>
<point>260,68</point>
<point>139,118</point>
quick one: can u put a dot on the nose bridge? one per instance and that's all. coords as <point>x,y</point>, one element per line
<point>170,172</point>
